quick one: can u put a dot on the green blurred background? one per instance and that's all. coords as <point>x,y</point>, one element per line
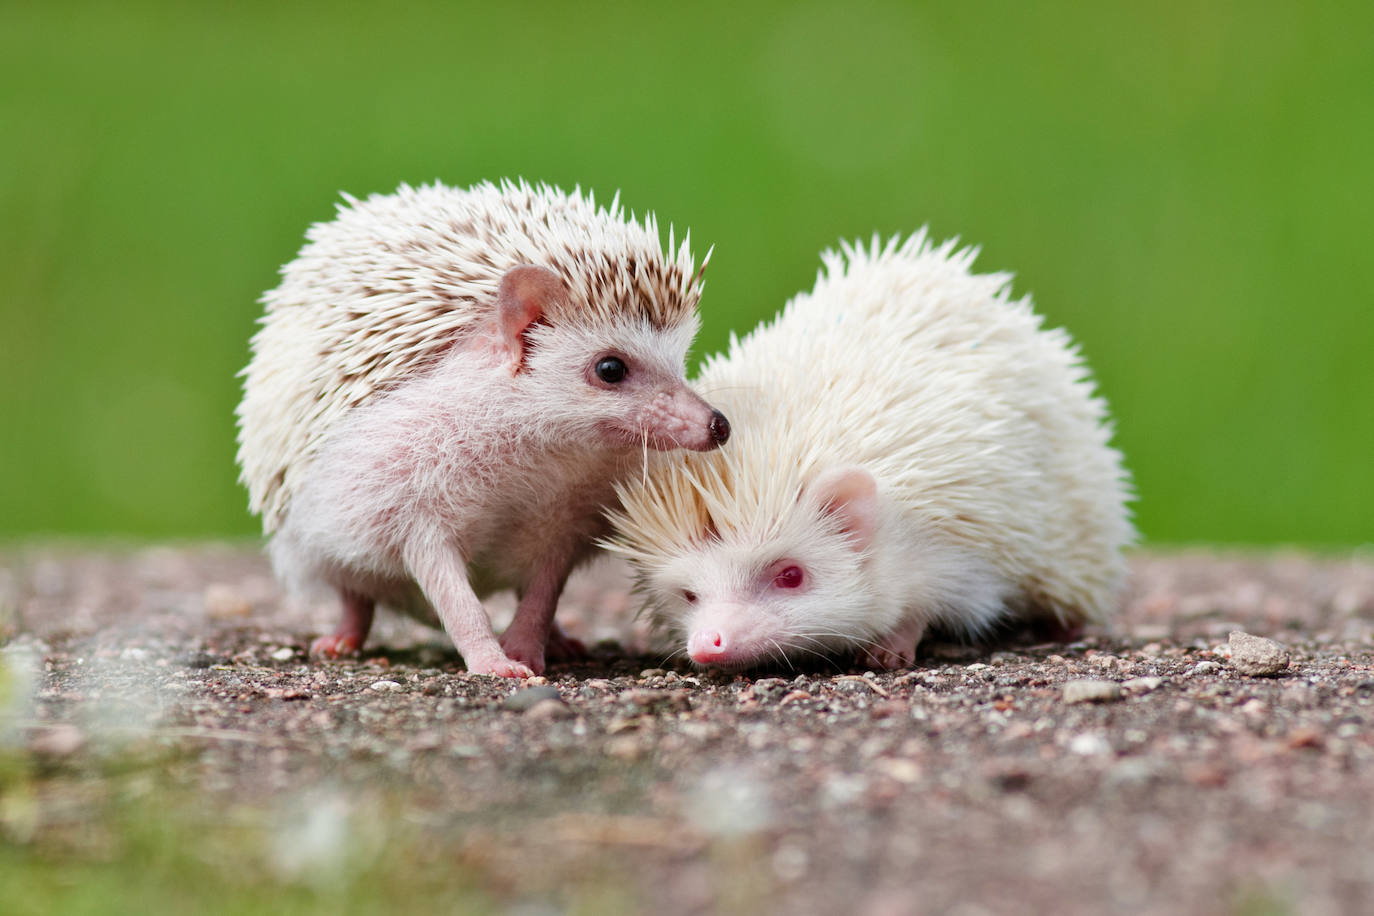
<point>1187,187</point>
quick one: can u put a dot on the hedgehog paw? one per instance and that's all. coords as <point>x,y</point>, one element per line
<point>499,665</point>
<point>886,658</point>
<point>895,650</point>
<point>336,645</point>
<point>524,652</point>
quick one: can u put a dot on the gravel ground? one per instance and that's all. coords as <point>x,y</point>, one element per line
<point>1138,770</point>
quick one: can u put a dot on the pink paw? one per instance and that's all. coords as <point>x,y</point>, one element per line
<point>890,654</point>
<point>523,652</point>
<point>499,666</point>
<point>336,645</point>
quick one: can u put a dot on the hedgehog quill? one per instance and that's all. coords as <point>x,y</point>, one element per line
<point>912,449</point>
<point>446,386</point>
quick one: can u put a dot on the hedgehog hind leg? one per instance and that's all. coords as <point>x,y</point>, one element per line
<point>354,625</point>
<point>532,633</point>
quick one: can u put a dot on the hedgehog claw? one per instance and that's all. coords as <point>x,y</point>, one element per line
<point>524,654</point>
<point>336,645</point>
<point>507,668</point>
<point>500,666</point>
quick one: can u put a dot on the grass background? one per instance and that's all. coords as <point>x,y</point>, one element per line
<point>1187,187</point>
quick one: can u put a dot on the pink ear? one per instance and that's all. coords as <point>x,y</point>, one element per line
<point>524,296</point>
<point>850,495</point>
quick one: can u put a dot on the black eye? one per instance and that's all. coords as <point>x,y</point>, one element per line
<point>611,370</point>
<point>689,597</point>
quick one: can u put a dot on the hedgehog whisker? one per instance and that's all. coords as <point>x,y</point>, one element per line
<point>847,637</point>
<point>782,654</point>
<point>815,653</point>
<point>672,655</point>
<point>825,651</point>
<point>643,457</point>
<point>718,388</point>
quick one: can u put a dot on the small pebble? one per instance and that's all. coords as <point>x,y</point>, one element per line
<point>1204,668</point>
<point>1256,656</point>
<point>770,687</point>
<point>1090,744</point>
<point>525,699</point>
<point>1091,691</point>
<point>284,654</point>
<point>386,686</point>
<point>651,672</point>
<point>1142,684</point>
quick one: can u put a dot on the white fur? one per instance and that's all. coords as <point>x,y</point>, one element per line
<point>997,489</point>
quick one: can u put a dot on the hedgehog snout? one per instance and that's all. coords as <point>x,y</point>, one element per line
<point>719,427</point>
<point>706,646</point>
<point>679,418</point>
<point>729,633</point>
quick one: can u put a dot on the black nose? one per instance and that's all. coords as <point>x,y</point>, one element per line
<point>719,427</point>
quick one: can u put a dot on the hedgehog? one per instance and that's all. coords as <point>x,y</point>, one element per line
<point>445,388</point>
<point>913,451</point>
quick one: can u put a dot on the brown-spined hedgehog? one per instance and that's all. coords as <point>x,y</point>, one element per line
<point>444,391</point>
<point>911,449</point>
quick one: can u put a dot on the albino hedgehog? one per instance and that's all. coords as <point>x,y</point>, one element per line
<point>445,389</point>
<point>911,449</point>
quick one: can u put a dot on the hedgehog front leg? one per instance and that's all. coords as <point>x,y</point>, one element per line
<point>353,628</point>
<point>441,572</point>
<point>532,629</point>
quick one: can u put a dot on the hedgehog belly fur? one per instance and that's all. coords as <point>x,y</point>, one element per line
<point>401,468</point>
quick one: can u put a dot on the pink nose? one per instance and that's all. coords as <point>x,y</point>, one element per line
<point>706,646</point>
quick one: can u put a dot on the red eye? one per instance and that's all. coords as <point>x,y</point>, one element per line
<point>791,577</point>
<point>689,597</point>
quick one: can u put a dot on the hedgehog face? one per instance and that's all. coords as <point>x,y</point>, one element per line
<point>800,587</point>
<point>619,386</point>
<point>741,603</point>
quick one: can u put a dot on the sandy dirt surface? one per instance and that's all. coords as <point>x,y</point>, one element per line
<point>1137,770</point>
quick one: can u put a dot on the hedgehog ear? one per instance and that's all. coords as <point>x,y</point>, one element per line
<point>521,302</point>
<point>850,496</point>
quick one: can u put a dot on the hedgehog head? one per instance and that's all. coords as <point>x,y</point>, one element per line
<point>750,568</point>
<point>603,380</point>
